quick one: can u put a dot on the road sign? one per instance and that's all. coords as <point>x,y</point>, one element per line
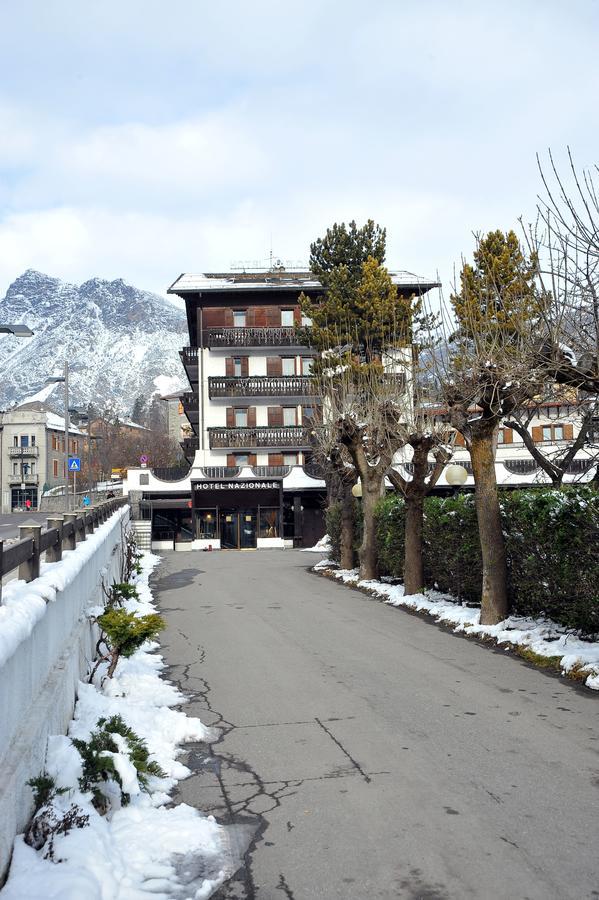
<point>143,460</point>
<point>74,464</point>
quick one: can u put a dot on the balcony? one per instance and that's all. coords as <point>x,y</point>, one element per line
<point>251,337</point>
<point>23,479</point>
<point>292,437</point>
<point>260,386</point>
<point>18,452</point>
<point>189,446</point>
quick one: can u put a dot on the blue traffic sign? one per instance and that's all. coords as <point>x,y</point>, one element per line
<point>74,464</point>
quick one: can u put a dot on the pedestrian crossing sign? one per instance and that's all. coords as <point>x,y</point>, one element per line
<point>74,464</point>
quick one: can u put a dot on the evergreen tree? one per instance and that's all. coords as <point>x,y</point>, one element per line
<point>139,412</point>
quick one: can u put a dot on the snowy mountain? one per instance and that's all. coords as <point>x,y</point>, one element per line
<point>120,342</point>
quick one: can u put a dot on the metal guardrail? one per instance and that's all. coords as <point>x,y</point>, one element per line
<point>61,533</point>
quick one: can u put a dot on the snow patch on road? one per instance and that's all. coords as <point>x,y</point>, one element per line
<point>543,636</point>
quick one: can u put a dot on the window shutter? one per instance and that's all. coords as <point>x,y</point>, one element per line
<point>230,459</point>
<point>569,432</point>
<point>275,416</point>
<point>508,436</point>
<point>459,440</point>
<point>274,365</point>
<point>275,459</point>
<point>230,417</point>
<point>252,417</point>
<point>229,367</point>
<point>245,366</point>
<point>252,459</point>
<point>537,433</point>
<point>228,318</point>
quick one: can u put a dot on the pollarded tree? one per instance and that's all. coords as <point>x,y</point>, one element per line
<point>494,366</point>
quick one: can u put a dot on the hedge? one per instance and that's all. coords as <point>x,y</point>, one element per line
<point>551,542</point>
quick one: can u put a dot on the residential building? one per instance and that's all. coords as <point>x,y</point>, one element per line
<point>32,453</point>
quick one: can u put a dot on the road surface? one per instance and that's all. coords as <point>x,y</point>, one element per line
<point>372,753</point>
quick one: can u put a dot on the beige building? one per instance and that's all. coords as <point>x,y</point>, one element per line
<point>32,456</point>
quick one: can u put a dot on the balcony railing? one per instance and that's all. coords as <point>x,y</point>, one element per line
<point>190,445</point>
<point>261,386</point>
<point>251,337</point>
<point>17,452</point>
<point>189,356</point>
<point>292,437</point>
<point>23,479</point>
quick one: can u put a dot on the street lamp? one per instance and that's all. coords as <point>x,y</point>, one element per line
<point>17,330</point>
<point>64,379</point>
<point>357,489</point>
<point>456,476</point>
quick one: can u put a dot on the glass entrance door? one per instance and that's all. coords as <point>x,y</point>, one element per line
<point>238,529</point>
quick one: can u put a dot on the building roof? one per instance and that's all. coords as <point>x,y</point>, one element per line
<point>52,420</point>
<point>275,279</point>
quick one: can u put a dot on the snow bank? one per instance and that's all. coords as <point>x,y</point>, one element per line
<point>543,636</point>
<point>322,546</point>
<point>145,848</point>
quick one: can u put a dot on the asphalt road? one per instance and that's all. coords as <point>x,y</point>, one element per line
<point>9,523</point>
<point>373,753</point>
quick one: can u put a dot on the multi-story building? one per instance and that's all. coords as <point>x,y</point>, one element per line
<point>32,457</point>
<point>250,405</point>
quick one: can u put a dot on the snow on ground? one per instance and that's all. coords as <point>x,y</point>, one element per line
<point>145,849</point>
<point>542,636</point>
<point>322,546</point>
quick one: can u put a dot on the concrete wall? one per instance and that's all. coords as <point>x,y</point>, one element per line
<point>39,680</point>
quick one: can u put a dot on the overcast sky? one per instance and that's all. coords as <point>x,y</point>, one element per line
<point>143,138</point>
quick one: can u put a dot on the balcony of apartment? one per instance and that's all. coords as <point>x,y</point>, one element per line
<point>260,386</point>
<point>23,478</point>
<point>251,336</point>
<point>19,452</point>
<point>287,437</point>
<point>189,446</point>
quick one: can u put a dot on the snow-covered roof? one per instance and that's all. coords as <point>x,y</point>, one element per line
<point>274,280</point>
<point>56,422</point>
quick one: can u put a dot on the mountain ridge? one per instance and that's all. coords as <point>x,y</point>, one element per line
<point>117,339</point>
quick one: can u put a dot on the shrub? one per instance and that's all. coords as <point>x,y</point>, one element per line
<point>98,761</point>
<point>551,541</point>
<point>123,633</point>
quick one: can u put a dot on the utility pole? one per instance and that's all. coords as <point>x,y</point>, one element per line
<point>66,433</point>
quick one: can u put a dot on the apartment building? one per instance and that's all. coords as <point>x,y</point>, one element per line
<point>32,453</point>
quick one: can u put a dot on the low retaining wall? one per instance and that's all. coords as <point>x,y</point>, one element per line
<point>39,676</point>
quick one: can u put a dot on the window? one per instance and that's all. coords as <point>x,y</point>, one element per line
<point>24,440</point>
<point>289,416</point>
<point>268,525</point>
<point>15,468</point>
<point>558,432</point>
<point>242,459</point>
<point>306,320</point>
<point>307,363</point>
<point>75,446</point>
<point>237,367</point>
<point>287,318</point>
<point>33,440</point>
<point>55,468</point>
<point>206,524</point>
<point>290,459</point>
<point>307,414</point>
<point>546,432</point>
<point>241,418</point>
<point>15,441</point>
<point>239,318</point>
<point>501,436</point>
<point>288,365</point>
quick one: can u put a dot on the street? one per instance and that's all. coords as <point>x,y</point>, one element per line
<point>373,753</point>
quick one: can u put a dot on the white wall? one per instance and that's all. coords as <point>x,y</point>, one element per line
<point>39,680</point>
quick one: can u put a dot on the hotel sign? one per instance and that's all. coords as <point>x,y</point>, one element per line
<point>235,485</point>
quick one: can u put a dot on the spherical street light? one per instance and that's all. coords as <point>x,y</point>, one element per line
<point>357,489</point>
<point>456,475</point>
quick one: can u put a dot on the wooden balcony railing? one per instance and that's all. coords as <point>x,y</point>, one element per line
<point>251,337</point>
<point>260,386</point>
<point>190,445</point>
<point>292,437</point>
<point>189,356</point>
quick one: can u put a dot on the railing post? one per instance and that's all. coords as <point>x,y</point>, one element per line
<point>70,542</point>
<point>88,520</point>
<point>54,553</point>
<point>30,569</point>
<point>80,525</point>
<point>1,567</point>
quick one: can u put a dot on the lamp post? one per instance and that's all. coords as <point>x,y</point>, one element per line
<point>64,379</point>
<point>456,476</point>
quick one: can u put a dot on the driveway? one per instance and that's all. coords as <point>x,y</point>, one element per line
<point>369,752</point>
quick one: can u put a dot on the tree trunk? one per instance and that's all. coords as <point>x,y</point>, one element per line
<point>413,562</point>
<point>347,527</point>
<point>494,599</point>
<point>371,493</point>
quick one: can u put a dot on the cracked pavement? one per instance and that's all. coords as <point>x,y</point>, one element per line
<point>364,752</point>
